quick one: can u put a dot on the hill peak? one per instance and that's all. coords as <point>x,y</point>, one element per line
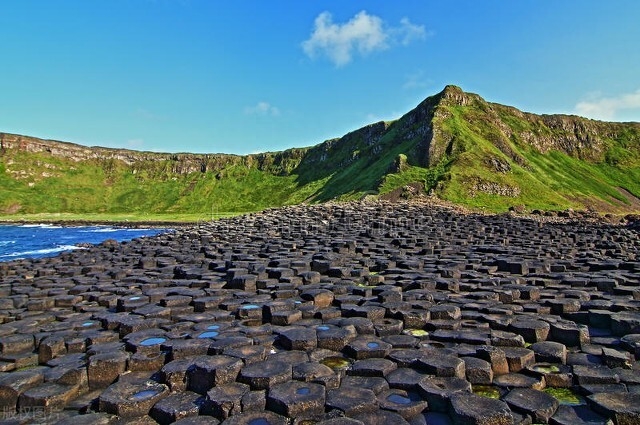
<point>454,145</point>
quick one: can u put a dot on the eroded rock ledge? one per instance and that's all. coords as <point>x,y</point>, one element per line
<point>331,314</point>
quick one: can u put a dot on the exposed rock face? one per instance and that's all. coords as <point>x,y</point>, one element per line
<point>177,163</point>
<point>493,188</point>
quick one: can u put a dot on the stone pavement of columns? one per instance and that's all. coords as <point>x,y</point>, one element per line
<point>374,313</point>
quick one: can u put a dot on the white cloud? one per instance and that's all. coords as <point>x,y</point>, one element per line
<point>606,108</point>
<point>363,34</point>
<point>262,108</point>
<point>408,32</point>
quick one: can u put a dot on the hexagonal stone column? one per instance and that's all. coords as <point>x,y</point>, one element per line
<point>294,398</point>
<point>351,400</point>
<point>49,396</point>
<point>367,347</point>
<point>539,405</point>
<point>15,383</point>
<point>406,404</point>
<point>265,374</point>
<point>472,409</point>
<point>442,365</point>
<point>104,368</point>
<point>130,400</point>
<point>177,406</point>
<point>438,391</point>
<point>208,371</point>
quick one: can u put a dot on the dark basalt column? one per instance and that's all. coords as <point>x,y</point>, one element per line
<point>373,313</point>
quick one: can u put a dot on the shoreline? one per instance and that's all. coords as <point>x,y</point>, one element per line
<point>548,216</point>
<point>122,224</point>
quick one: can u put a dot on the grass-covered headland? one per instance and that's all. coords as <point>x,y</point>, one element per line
<point>454,146</point>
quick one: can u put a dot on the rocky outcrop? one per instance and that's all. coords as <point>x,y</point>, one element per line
<point>173,163</point>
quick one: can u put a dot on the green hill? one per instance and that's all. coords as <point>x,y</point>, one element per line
<point>454,146</point>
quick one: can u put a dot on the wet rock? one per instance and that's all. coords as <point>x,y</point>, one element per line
<point>130,400</point>
<point>49,396</point>
<point>351,400</point>
<point>353,297</point>
<point>16,383</point>
<point>519,358</point>
<point>468,408</point>
<point>624,408</point>
<point>442,365</point>
<point>208,371</point>
<point>177,406</point>
<point>404,378</point>
<point>406,404</point>
<point>539,405</point>
<point>225,400</point>
<point>438,391</point>
<point>265,374</point>
<point>532,330</point>
<point>496,357</point>
<point>103,369</point>
<point>298,339</point>
<point>174,374</point>
<point>478,371</point>
<point>381,417</point>
<point>317,373</point>
<point>577,415</point>
<point>519,380</point>
<point>252,418</point>
<point>293,399</point>
<point>589,375</point>
<point>550,352</point>
<point>366,348</point>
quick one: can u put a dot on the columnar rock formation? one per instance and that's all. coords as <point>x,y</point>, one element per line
<point>332,314</point>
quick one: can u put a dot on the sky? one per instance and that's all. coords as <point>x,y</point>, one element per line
<point>219,76</point>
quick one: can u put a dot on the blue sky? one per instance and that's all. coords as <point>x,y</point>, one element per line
<point>254,76</point>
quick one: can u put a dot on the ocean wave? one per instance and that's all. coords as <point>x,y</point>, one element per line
<point>42,226</point>
<point>43,251</point>
<point>100,230</point>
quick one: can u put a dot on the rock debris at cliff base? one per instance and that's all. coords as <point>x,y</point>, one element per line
<point>331,314</point>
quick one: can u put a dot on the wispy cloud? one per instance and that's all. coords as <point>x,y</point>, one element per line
<point>415,81</point>
<point>606,108</point>
<point>408,32</point>
<point>362,34</point>
<point>262,108</point>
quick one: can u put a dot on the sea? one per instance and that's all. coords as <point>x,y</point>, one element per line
<point>46,240</point>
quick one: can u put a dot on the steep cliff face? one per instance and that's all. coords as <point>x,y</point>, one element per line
<point>454,144</point>
<point>174,163</point>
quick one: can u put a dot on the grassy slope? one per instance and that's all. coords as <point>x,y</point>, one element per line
<point>472,138</point>
<point>550,181</point>
<point>84,188</point>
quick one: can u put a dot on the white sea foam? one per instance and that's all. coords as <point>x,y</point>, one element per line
<point>39,252</point>
<point>101,230</point>
<point>42,226</point>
